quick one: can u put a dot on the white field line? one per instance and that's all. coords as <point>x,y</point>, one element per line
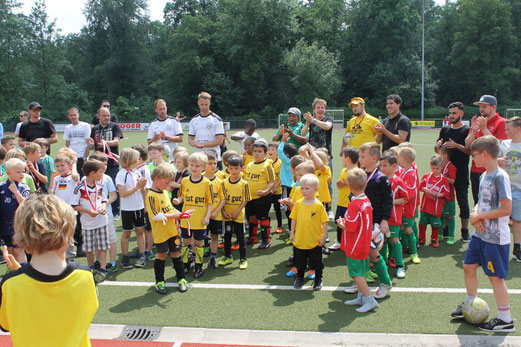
<point>284,287</point>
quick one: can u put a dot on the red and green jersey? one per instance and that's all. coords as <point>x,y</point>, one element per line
<point>449,171</point>
<point>358,220</point>
<point>410,180</point>
<point>399,192</point>
<point>431,204</point>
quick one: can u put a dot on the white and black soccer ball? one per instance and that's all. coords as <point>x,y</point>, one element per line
<point>476,311</point>
<point>347,138</point>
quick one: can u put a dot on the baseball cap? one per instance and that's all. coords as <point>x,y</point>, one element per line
<point>356,100</point>
<point>486,100</point>
<point>294,110</point>
<point>34,105</point>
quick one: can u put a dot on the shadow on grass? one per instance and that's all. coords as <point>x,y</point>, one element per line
<point>150,299</point>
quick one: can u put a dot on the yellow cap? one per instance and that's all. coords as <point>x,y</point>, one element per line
<point>356,100</point>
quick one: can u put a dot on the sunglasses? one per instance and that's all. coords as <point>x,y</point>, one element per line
<point>36,109</point>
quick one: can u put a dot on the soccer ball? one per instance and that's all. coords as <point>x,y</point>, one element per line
<point>475,312</point>
<point>347,138</point>
<point>377,238</point>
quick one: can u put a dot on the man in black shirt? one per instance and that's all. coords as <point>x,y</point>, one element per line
<point>95,118</point>
<point>37,127</point>
<point>453,136</point>
<point>396,128</point>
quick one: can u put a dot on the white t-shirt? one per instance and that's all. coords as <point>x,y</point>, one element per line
<point>144,171</point>
<point>205,129</point>
<point>513,153</point>
<point>108,187</point>
<point>128,179</point>
<point>77,135</point>
<point>171,127</point>
<point>63,187</point>
<point>244,135</point>
<point>90,199</point>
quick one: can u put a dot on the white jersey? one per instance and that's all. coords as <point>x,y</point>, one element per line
<point>63,187</point>
<point>90,198</point>
<point>144,171</point>
<point>171,127</point>
<point>108,187</point>
<point>128,179</point>
<point>205,129</point>
<point>77,135</point>
<point>244,135</point>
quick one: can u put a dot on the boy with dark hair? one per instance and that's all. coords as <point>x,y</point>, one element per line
<point>46,159</point>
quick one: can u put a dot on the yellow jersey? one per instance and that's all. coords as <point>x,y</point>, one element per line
<point>217,195</point>
<point>258,175</point>
<point>246,159</point>
<point>235,193</point>
<point>196,196</point>
<point>156,202</point>
<point>295,194</point>
<point>276,169</point>
<point>224,174</point>
<point>309,219</point>
<point>324,178</point>
<point>362,129</point>
<point>44,310</point>
<point>344,192</point>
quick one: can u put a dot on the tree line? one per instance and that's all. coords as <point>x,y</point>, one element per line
<point>258,57</point>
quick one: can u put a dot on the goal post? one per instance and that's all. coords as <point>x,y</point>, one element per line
<point>512,112</point>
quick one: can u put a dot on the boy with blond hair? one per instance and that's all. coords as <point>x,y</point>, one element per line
<point>36,168</point>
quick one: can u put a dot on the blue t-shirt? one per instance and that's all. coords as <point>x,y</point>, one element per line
<point>286,177</point>
<point>8,206</point>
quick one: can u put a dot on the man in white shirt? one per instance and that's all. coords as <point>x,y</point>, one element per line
<point>165,129</point>
<point>249,131</point>
<point>75,136</point>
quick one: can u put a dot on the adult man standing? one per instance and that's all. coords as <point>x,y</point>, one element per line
<point>396,128</point>
<point>37,128</point>
<point>360,127</point>
<point>76,136</point>
<point>24,116</point>
<point>105,137</point>
<point>319,127</point>
<point>293,127</point>
<point>453,137</point>
<point>95,119</point>
<point>489,123</point>
<point>165,129</point>
<point>206,129</point>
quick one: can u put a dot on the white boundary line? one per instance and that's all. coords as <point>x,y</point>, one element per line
<point>285,287</point>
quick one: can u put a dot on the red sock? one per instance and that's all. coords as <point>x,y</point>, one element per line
<point>266,229</point>
<point>254,224</point>
<point>422,229</point>
<point>435,233</point>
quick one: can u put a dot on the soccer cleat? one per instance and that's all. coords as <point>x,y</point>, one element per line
<point>392,262</point>
<point>369,305</point>
<point>198,272</point>
<point>225,261</point>
<point>415,258</point>
<point>311,275</point>
<point>111,268</point>
<point>458,312</point>
<point>351,289</point>
<point>517,256</point>
<point>465,237</point>
<point>421,241</point>
<point>211,264</point>
<point>278,230</point>
<point>220,245</point>
<point>335,246</point>
<point>97,265</point>
<point>141,262</point>
<point>183,285</point>
<point>325,250</point>
<point>355,302</point>
<point>243,264</point>
<point>450,240</point>
<point>149,255</point>
<point>440,237</point>
<point>369,278</point>
<point>288,241</point>
<point>235,246</point>
<point>265,245</point>
<point>250,240</point>
<point>331,215</point>
<point>292,272</point>
<point>372,274</point>
<point>299,283</point>
<point>317,285</point>
<point>160,287</point>
<point>435,243</point>
<point>99,277</point>
<point>125,263</point>
<point>382,291</point>
<point>400,272</point>
<point>497,325</point>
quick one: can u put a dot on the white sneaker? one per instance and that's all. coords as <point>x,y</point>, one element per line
<point>369,305</point>
<point>356,301</point>
<point>351,290</point>
<point>331,215</point>
<point>400,272</point>
<point>335,246</point>
<point>382,291</point>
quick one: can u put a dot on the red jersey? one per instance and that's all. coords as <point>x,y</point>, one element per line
<point>399,192</point>
<point>449,171</point>
<point>496,126</point>
<point>410,180</point>
<point>430,204</point>
<point>356,238</point>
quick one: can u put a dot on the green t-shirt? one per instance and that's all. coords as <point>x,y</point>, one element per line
<point>296,130</point>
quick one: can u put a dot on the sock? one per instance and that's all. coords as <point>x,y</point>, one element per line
<point>412,243</point>
<point>423,229</point>
<point>415,229</point>
<point>383,253</point>
<point>469,299</point>
<point>504,313</point>
<point>199,254</point>
<point>396,252</point>
<point>517,247</point>
<point>184,253</point>
<point>451,223</point>
<point>253,225</point>
<point>404,239</point>
<point>159,270</point>
<point>213,255</point>
<point>435,234</point>
<point>381,271</point>
<point>179,268</point>
<point>266,229</point>
<point>318,274</point>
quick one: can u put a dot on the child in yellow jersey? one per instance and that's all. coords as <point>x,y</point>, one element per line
<point>40,298</point>
<point>323,172</point>
<point>277,189</point>
<point>261,178</point>
<point>247,151</point>
<point>349,156</point>
<point>196,194</point>
<point>236,196</point>
<point>216,226</point>
<point>164,229</point>
<point>308,231</point>
<point>223,174</point>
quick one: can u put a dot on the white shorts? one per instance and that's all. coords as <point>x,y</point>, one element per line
<point>113,237</point>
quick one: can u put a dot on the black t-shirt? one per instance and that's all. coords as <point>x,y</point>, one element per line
<point>95,119</point>
<point>43,128</point>
<point>319,137</point>
<point>379,192</point>
<point>399,122</point>
<point>459,159</point>
<point>107,133</point>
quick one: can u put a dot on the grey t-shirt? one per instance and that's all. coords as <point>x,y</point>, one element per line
<point>513,153</point>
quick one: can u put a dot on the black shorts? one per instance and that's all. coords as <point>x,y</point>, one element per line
<point>173,244</point>
<point>313,255</point>
<point>132,219</point>
<point>260,208</point>
<point>197,234</point>
<point>7,240</point>
<point>148,226</point>
<point>216,227</point>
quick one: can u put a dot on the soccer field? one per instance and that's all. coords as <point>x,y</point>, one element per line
<point>261,297</point>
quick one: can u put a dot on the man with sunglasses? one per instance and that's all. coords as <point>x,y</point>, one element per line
<point>360,128</point>
<point>37,128</point>
<point>24,116</point>
<point>95,119</point>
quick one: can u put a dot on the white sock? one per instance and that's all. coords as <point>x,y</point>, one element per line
<point>504,313</point>
<point>469,299</point>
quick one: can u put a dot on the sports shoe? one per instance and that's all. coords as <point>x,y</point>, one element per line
<point>450,240</point>
<point>111,268</point>
<point>356,301</point>
<point>250,240</point>
<point>134,254</point>
<point>369,305</point>
<point>265,244</point>
<point>330,215</point>
<point>299,283</point>
<point>351,289</point>
<point>225,261</point>
<point>243,264</point>
<point>325,250</point>
<point>141,262</point>
<point>99,277</point>
<point>392,262</point>
<point>97,265</point>
<point>125,263</point>
<point>292,272</point>
<point>149,255</point>
<point>288,241</point>
<point>317,285</point>
<point>440,237</point>
<point>290,263</point>
<point>160,287</point>
<point>400,272</point>
<point>220,245</point>
<point>382,291</point>
<point>497,325</point>
<point>415,259</point>
<point>278,230</point>
<point>211,264</point>
<point>372,274</point>
<point>516,256</point>
<point>465,237</point>
<point>198,272</point>
<point>369,278</point>
<point>183,285</point>
<point>311,275</point>
<point>435,243</point>
<point>458,312</point>
<point>421,241</point>
<point>235,246</point>
<point>335,246</point>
